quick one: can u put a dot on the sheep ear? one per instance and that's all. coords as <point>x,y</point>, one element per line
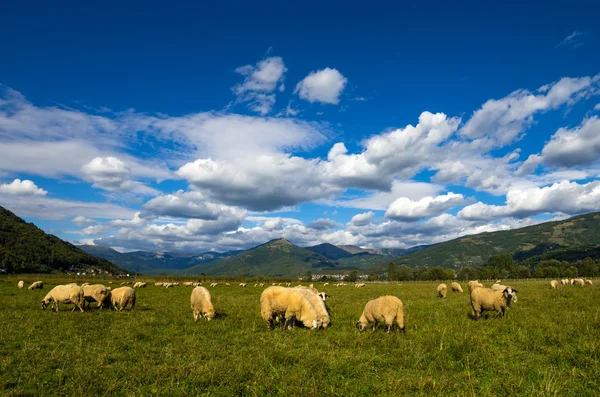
<point>515,291</point>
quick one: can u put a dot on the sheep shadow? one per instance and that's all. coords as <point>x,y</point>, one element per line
<point>219,315</point>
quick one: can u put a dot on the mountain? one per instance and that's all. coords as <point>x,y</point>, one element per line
<point>573,234</point>
<point>330,251</point>
<point>353,249</point>
<point>275,258</point>
<point>24,248</point>
<point>155,262</point>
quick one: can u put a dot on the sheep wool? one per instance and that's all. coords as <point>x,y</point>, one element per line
<point>122,297</point>
<point>21,284</point>
<point>36,285</point>
<point>95,293</point>
<point>289,303</point>
<point>318,302</point>
<point>201,304</point>
<point>386,310</point>
<point>456,287</point>
<point>441,290</point>
<point>579,281</point>
<point>64,294</point>
<point>487,299</point>
<point>554,284</point>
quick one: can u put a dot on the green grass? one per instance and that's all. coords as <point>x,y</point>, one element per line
<point>548,344</point>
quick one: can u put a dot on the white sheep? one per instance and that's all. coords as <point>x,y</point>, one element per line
<point>243,285</point>
<point>36,285</point>
<point>359,285</point>
<point>383,310</point>
<point>122,297</point>
<point>188,284</point>
<point>589,282</point>
<point>441,290</point>
<point>64,294</point>
<point>95,293</point>
<point>158,284</point>
<point>487,299</point>
<point>474,284</point>
<point>201,304</point>
<point>139,284</point>
<point>325,285</point>
<point>579,281</point>
<point>318,302</point>
<point>288,284</point>
<point>289,303</point>
<point>554,284</point>
<point>21,284</point>
<point>498,287</point>
<point>456,287</point>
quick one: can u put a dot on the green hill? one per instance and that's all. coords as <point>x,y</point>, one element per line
<point>573,233</point>
<point>329,251</point>
<point>24,248</point>
<point>275,258</point>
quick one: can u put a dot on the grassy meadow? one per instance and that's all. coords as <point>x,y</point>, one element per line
<point>548,344</point>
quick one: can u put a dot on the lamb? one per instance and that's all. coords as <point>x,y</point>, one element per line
<point>122,297</point>
<point>201,304</point>
<point>456,287</point>
<point>64,294</point>
<point>441,290</point>
<point>589,282</point>
<point>36,285</point>
<point>554,284</point>
<point>384,309</point>
<point>21,284</point>
<point>487,299</point>
<point>289,302</point>
<point>95,293</point>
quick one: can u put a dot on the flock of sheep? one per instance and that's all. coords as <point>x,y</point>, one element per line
<point>300,305</point>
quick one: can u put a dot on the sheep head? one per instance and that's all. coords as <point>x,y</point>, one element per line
<point>509,293</point>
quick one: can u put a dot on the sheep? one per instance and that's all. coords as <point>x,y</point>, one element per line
<point>64,294</point>
<point>487,299</point>
<point>325,285</point>
<point>473,284</point>
<point>289,302</point>
<point>572,281</point>
<point>227,285</point>
<point>243,285</point>
<point>579,281</point>
<point>95,293</point>
<point>554,284</point>
<point>318,301</point>
<point>139,284</point>
<point>121,297</point>
<point>359,285</point>
<point>564,281</point>
<point>261,285</point>
<point>441,290</point>
<point>589,282</point>
<point>498,281</point>
<point>188,284</point>
<point>384,309</point>
<point>201,304</point>
<point>36,285</point>
<point>456,287</point>
<point>21,284</point>
<point>498,287</point>
<point>288,284</point>
<point>158,284</point>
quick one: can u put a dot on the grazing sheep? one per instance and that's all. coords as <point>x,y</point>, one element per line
<point>290,303</point>
<point>441,290</point>
<point>64,294</point>
<point>227,285</point>
<point>36,285</point>
<point>95,293</point>
<point>579,281</point>
<point>384,310</point>
<point>122,297</point>
<point>572,281</point>
<point>474,284</point>
<point>158,284</point>
<point>243,285</point>
<point>288,284</point>
<point>188,284</point>
<point>498,287</point>
<point>21,284</point>
<point>261,285</point>
<point>360,285</point>
<point>456,287</point>
<point>589,282</point>
<point>498,281</point>
<point>201,304</point>
<point>318,301</point>
<point>554,284</point>
<point>564,281</point>
<point>325,285</point>
<point>487,299</point>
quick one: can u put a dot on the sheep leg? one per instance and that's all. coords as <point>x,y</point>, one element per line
<point>56,306</point>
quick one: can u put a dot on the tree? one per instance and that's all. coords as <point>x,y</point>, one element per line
<point>391,272</point>
<point>352,277</point>
<point>308,277</point>
<point>466,273</point>
<point>404,273</point>
<point>522,272</point>
<point>588,267</point>
<point>373,277</point>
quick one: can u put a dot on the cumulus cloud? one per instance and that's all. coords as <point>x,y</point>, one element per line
<point>500,122</point>
<point>406,209</point>
<point>563,197</point>
<point>184,205</point>
<point>260,81</point>
<point>323,86</point>
<point>113,174</point>
<point>381,200</point>
<point>83,221</point>
<point>362,219</point>
<point>22,188</point>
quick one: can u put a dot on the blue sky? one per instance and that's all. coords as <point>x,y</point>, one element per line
<point>389,125</point>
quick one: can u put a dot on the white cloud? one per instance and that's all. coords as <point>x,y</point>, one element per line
<point>22,188</point>
<point>113,174</point>
<point>184,205</point>
<point>406,209</point>
<point>381,200</point>
<point>323,86</point>
<point>597,107</point>
<point>95,230</point>
<point>134,222</point>
<point>362,219</point>
<point>322,224</point>
<point>563,197</point>
<point>260,80</point>
<point>574,39</point>
<point>500,122</point>
<point>83,221</point>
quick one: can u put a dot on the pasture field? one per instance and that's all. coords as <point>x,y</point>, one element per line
<point>548,344</point>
